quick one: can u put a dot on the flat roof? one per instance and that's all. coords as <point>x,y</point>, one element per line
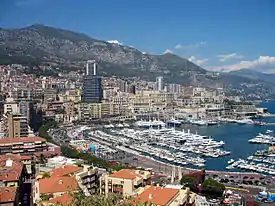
<point>21,139</point>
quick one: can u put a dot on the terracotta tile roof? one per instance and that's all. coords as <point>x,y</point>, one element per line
<point>15,157</point>
<point>64,200</point>
<point>46,153</point>
<point>7,194</point>
<point>57,184</point>
<point>156,195</point>
<point>126,174</point>
<point>63,171</point>
<point>21,139</point>
<point>10,173</point>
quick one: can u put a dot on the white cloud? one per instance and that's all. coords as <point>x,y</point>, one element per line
<point>191,46</point>
<point>225,57</point>
<point>168,51</point>
<point>264,64</point>
<point>115,42</point>
<point>199,62</point>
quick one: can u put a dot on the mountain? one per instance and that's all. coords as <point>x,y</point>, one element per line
<point>39,44</point>
<point>252,74</point>
<point>43,45</point>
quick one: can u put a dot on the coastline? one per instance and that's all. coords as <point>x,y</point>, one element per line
<point>167,169</point>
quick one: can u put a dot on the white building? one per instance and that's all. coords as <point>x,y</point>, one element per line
<point>159,83</point>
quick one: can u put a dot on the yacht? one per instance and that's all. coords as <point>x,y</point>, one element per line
<point>212,123</point>
<point>245,121</point>
<point>230,161</point>
<point>148,124</point>
<point>173,123</point>
<point>199,122</point>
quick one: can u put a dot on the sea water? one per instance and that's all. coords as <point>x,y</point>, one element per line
<point>235,137</point>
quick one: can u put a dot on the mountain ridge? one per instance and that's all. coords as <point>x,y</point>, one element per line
<point>59,47</point>
<point>44,45</point>
<point>253,74</point>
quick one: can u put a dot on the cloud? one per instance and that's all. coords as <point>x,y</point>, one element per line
<point>115,42</point>
<point>264,64</point>
<point>190,46</point>
<point>199,62</point>
<point>168,51</point>
<point>225,57</point>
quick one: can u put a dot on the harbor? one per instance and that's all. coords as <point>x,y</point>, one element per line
<point>222,145</point>
<point>188,146</point>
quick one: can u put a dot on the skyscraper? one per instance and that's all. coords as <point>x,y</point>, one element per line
<point>92,88</point>
<point>159,83</point>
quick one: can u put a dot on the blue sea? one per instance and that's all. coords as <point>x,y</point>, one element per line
<point>235,137</point>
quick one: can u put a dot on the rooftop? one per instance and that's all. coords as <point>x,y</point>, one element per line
<point>14,157</point>
<point>7,194</point>
<point>156,195</point>
<point>11,170</point>
<point>21,139</point>
<point>65,170</point>
<point>126,174</point>
<point>57,184</point>
<point>64,200</point>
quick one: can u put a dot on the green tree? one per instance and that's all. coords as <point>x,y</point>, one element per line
<point>42,159</point>
<point>213,187</point>
<point>101,200</point>
<point>46,175</point>
<point>188,181</point>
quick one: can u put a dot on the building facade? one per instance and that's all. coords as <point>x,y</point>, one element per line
<point>22,146</point>
<point>17,126</point>
<point>92,87</point>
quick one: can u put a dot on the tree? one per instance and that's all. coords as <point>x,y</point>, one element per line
<point>101,200</point>
<point>213,187</point>
<point>46,175</point>
<point>42,159</point>
<point>188,181</point>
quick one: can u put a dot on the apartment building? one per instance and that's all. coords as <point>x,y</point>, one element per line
<point>17,126</point>
<point>124,182</point>
<point>48,189</point>
<point>11,107</point>
<point>22,146</point>
<point>11,177</point>
<point>68,178</point>
<point>164,196</point>
<point>88,180</point>
<point>99,110</point>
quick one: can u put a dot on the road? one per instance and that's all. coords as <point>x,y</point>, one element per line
<point>26,197</point>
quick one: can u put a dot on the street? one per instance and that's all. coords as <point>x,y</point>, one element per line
<point>26,198</point>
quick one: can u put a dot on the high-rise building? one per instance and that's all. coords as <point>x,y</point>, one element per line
<point>92,87</point>
<point>174,88</point>
<point>17,126</point>
<point>132,89</point>
<point>159,83</point>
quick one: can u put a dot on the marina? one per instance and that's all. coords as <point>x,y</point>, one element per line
<point>266,138</point>
<point>224,146</point>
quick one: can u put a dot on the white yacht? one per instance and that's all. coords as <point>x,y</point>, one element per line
<point>230,161</point>
<point>245,121</point>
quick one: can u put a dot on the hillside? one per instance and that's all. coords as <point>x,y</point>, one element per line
<point>255,75</point>
<point>39,44</point>
<point>67,50</point>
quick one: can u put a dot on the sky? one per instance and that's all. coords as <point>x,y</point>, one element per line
<point>219,35</point>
